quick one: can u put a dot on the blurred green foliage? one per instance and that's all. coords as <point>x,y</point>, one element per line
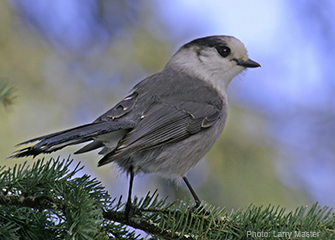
<point>7,94</point>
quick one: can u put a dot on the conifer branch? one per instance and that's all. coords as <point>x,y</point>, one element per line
<point>47,201</point>
<point>40,203</point>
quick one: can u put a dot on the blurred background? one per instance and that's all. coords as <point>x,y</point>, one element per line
<point>65,62</point>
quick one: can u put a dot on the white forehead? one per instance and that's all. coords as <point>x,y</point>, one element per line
<point>235,45</point>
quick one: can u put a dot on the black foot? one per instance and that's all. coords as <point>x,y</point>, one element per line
<point>199,209</point>
<point>130,208</point>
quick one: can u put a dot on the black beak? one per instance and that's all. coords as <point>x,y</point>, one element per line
<point>247,63</point>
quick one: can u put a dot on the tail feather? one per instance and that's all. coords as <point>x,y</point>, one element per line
<point>56,141</point>
<point>89,147</point>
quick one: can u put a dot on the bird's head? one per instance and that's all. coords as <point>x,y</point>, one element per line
<point>216,59</point>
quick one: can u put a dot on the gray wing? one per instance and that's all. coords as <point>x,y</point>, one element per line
<point>110,140</point>
<point>167,121</point>
<point>120,109</point>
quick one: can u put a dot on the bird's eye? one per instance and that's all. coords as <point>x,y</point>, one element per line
<point>223,51</point>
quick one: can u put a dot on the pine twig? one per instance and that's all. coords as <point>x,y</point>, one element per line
<point>48,200</point>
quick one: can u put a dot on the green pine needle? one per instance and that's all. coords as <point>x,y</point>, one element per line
<point>49,200</point>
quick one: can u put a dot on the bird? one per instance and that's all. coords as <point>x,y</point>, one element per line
<point>168,121</point>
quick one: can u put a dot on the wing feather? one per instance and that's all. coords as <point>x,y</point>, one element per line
<point>165,123</point>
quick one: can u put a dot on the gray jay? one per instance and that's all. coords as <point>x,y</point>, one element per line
<point>169,121</point>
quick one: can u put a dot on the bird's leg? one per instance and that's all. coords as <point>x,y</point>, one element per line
<point>195,196</point>
<point>129,206</point>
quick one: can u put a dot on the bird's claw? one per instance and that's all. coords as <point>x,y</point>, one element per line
<point>199,209</point>
<point>129,211</point>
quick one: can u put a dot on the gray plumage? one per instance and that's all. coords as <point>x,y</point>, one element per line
<point>170,120</point>
<point>148,119</point>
